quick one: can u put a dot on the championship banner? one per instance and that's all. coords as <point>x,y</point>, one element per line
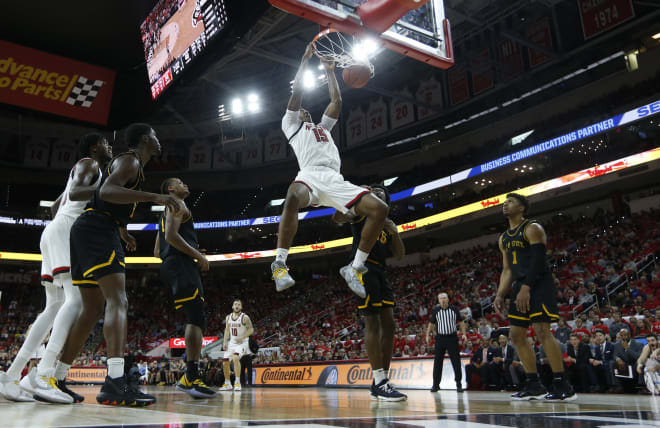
<point>415,373</point>
<point>41,81</point>
<point>180,342</point>
<point>87,374</point>
<point>598,17</point>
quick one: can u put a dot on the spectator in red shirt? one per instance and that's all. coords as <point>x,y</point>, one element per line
<point>580,330</point>
<point>599,326</point>
<point>656,324</point>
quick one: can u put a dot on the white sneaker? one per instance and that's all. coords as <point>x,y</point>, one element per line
<point>225,387</point>
<point>237,386</point>
<point>46,387</point>
<point>11,390</point>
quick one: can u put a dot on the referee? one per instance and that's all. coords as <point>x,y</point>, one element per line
<point>444,319</point>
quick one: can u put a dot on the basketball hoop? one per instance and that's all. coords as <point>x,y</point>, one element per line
<point>330,43</point>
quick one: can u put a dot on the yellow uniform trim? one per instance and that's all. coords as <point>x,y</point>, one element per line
<point>366,303</point>
<point>178,307</point>
<point>122,264</point>
<point>99,266</point>
<point>188,298</point>
<point>518,318</point>
<point>376,304</point>
<point>548,312</point>
<point>522,223</point>
<point>536,314</point>
<point>162,224</point>
<point>373,261</point>
<point>387,302</point>
<point>85,281</point>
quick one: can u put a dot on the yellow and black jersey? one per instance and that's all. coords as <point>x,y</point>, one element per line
<point>381,249</point>
<point>187,232</point>
<point>120,213</point>
<point>518,252</point>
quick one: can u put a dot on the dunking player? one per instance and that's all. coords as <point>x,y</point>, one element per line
<point>320,183</point>
<point>176,245</point>
<point>235,343</point>
<point>62,298</point>
<point>526,275</point>
<point>97,260</point>
<point>377,307</point>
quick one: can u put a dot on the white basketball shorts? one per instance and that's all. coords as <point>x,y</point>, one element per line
<point>54,244</point>
<point>329,189</point>
<point>234,348</point>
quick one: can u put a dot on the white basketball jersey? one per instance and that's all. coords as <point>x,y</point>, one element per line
<point>312,144</point>
<point>71,208</point>
<point>236,327</point>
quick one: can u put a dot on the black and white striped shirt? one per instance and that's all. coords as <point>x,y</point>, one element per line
<point>446,319</point>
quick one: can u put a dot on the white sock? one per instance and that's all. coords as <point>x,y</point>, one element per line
<point>387,373</point>
<point>47,362</point>
<point>281,254</point>
<point>17,366</point>
<point>379,376</point>
<point>61,369</point>
<point>115,367</point>
<point>360,258</point>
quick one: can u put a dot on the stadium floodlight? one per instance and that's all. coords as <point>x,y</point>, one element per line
<point>364,49</point>
<point>308,80</point>
<point>656,36</point>
<point>253,103</point>
<point>275,202</point>
<point>157,208</point>
<point>237,106</point>
<point>46,204</point>
<point>389,181</point>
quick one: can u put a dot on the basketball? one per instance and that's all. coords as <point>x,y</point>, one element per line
<point>356,76</point>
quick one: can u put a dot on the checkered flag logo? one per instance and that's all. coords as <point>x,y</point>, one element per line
<point>84,92</point>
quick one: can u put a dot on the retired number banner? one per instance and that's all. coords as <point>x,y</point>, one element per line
<point>41,81</point>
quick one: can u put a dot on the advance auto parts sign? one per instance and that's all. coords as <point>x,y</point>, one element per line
<point>413,373</point>
<point>40,81</point>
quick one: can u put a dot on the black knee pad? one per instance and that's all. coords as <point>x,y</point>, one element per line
<point>195,313</point>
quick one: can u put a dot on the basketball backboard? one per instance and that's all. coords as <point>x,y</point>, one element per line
<point>422,33</point>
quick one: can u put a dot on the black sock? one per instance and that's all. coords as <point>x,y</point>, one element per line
<point>191,370</point>
<point>533,377</point>
<point>558,377</point>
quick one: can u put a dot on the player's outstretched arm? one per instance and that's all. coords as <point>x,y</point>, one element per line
<point>125,169</point>
<point>334,108</point>
<point>172,225</point>
<point>296,96</point>
<point>82,188</point>
<point>396,244</point>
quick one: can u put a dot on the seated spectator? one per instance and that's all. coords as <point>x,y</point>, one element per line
<point>598,325</point>
<point>563,331</point>
<point>580,330</point>
<point>601,363</point>
<point>478,364</point>
<point>577,358</point>
<point>641,328</point>
<point>617,324</point>
<point>626,354</point>
<point>502,360</point>
<point>650,347</point>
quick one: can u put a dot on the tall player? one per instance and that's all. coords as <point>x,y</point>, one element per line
<point>526,275</point>
<point>97,260</point>
<point>235,343</point>
<point>62,298</point>
<point>176,245</point>
<point>319,182</point>
<point>377,309</point>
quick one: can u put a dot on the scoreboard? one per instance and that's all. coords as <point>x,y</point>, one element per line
<point>175,33</point>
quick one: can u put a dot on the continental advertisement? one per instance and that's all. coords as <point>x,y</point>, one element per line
<point>87,374</point>
<point>41,81</point>
<point>414,373</point>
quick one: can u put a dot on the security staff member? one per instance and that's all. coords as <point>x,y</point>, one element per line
<point>444,319</point>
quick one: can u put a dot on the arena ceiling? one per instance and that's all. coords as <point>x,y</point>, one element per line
<point>262,52</point>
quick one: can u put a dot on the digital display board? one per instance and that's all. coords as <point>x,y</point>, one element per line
<point>175,33</point>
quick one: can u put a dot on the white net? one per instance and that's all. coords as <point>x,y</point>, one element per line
<point>346,51</point>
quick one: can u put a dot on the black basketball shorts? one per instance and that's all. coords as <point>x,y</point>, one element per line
<point>181,273</point>
<point>379,291</point>
<point>542,303</point>
<point>96,249</point>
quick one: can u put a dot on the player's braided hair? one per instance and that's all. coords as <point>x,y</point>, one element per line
<point>88,141</point>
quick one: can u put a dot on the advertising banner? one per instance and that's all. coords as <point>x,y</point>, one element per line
<point>41,81</point>
<point>409,373</point>
<point>180,342</point>
<point>87,374</point>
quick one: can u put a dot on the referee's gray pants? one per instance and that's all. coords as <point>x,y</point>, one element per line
<point>446,343</point>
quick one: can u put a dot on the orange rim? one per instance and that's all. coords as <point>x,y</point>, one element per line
<point>322,34</point>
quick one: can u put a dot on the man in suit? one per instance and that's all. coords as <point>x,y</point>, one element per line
<point>601,362</point>
<point>626,353</point>
<point>502,360</point>
<point>577,360</point>
<point>479,363</point>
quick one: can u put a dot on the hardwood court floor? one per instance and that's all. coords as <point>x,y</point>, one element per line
<point>319,407</point>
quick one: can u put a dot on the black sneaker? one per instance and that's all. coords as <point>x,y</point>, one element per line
<point>116,392</point>
<point>561,391</point>
<point>530,391</point>
<point>77,398</point>
<point>459,387</point>
<point>385,392</point>
<point>195,388</point>
<point>435,389</point>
